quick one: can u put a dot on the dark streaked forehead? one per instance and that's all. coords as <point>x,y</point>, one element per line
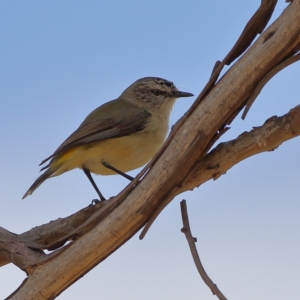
<point>157,80</point>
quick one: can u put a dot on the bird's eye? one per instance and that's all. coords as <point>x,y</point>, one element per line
<point>156,92</point>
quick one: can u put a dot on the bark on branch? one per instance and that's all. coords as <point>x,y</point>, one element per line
<point>169,172</point>
<point>267,137</point>
<point>44,236</point>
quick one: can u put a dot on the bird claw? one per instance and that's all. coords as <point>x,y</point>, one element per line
<point>95,201</point>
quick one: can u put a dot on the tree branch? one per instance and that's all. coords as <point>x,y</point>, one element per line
<point>166,176</point>
<point>48,236</point>
<point>191,241</point>
<point>16,252</point>
<point>267,137</point>
<point>287,62</point>
<point>255,26</point>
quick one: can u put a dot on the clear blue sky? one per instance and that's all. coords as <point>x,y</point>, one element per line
<point>60,60</point>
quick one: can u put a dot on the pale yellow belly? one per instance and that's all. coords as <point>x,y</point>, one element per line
<point>124,153</point>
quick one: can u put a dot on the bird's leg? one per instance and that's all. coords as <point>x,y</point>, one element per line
<point>89,176</point>
<point>108,166</point>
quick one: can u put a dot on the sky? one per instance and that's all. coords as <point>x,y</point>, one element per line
<point>62,59</point>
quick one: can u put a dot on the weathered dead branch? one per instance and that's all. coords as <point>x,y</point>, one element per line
<point>191,241</point>
<point>169,173</point>
<point>267,137</point>
<point>287,62</point>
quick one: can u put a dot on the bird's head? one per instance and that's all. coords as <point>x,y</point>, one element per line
<point>153,93</point>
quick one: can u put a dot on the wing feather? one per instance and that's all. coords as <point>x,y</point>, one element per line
<point>113,119</point>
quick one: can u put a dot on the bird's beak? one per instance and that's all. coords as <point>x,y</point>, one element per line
<point>179,94</point>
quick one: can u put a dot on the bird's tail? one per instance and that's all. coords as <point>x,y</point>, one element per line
<point>39,181</point>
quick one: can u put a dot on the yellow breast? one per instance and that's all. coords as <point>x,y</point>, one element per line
<point>124,153</point>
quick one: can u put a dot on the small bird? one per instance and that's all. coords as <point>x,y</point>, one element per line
<point>118,136</point>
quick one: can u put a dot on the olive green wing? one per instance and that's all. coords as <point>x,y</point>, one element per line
<point>113,119</point>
